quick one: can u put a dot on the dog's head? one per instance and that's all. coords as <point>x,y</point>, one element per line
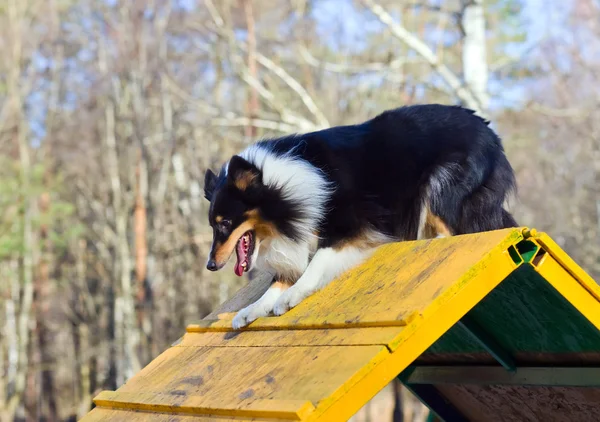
<point>235,214</point>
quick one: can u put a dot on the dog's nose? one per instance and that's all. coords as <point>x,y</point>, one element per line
<point>211,265</point>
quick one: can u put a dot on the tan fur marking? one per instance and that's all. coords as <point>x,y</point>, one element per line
<point>224,251</point>
<point>282,285</point>
<point>218,218</point>
<point>361,241</point>
<point>435,226</point>
<point>244,180</point>
<point>262,230</point>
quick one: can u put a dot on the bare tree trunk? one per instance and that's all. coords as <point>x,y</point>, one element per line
<point>141,254</point>
<point>2,370</point>
<point>44,335</point>
<point>47,398</point>
<point>128,336</point>
<point>9,335</point>
<point>252,69</point>
<point>80,332</point>
<point>12,336</point>
<point>15,12</point>
<point>474,54</point>
<point>85,398</point>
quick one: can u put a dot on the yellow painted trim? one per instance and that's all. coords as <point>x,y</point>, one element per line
<point>224,326</point>
<point>100,414</point>
<point>570,288</point>
<point>166,403</point>
<point>569,264</point>
<point>487,272</point>
<point>378,336</point>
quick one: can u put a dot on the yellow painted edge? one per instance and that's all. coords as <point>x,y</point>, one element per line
<point>119,415</point>
<point>412,342</point>
<point>570,288</point>
<point>104,414</point>
<point>469,293</point>
<point>488,260</point>
<point>550,246</point>
<point>222,326</point>
<point>370,336</point>
<point>192,405</point>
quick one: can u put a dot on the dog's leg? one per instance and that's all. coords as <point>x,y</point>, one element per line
<point>326,265</point>
<point>261,308</point>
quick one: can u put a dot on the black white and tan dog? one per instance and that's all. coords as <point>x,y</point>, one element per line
<point>302,209</point>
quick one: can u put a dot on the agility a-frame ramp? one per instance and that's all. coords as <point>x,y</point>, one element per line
<point>497,326</point>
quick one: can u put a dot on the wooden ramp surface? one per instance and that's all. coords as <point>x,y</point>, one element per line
<point>482,326</point>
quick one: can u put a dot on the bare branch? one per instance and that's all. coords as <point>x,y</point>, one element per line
<point>567,112</point>
<point>296,87</point>
<point>266,94</point>
<point>400,32</point>
<point>355,69</point>
<point>261,123</point>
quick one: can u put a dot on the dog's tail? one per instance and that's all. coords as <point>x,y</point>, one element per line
<point>474,201</point>
<point>483,209</point>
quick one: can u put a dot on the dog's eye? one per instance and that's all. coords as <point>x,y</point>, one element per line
<point>225,224</point>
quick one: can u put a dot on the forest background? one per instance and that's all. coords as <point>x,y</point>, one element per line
<point>111,111</point>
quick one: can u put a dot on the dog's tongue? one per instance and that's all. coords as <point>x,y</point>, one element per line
<point>239,270</point>
<point>241,258</point>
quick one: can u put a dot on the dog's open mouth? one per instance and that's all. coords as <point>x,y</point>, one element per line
<point>243,250</point>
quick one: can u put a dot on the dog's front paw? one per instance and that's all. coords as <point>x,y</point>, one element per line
<point>240,320</point>
<point>247,315</point>
<point>288,300</point>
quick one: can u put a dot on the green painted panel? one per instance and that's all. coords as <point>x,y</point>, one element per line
<point>455,340</point>
<point>525,314</point>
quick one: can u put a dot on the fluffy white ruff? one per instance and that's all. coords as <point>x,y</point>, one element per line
<point>300,182</point>
<point>307,188</point>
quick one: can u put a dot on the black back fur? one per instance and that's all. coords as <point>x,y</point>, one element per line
<point>385,169</point>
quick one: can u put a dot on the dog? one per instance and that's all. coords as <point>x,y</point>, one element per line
<point>300,210</point>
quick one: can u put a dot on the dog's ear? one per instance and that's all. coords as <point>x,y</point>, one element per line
<point>210,182</point>
<point>242,173</point>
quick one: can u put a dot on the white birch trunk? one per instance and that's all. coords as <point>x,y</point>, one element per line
<point>474,54</point>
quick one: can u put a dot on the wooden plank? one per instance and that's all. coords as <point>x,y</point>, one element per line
<point>437,403</point>
<point>397,284</point>
<point>513,403</point>
<point>227,377</point>
<point>112,415</point>
<point>197,405</point>
<point>281,338</point>
<point>524,358</point>
<point>494,375</point>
